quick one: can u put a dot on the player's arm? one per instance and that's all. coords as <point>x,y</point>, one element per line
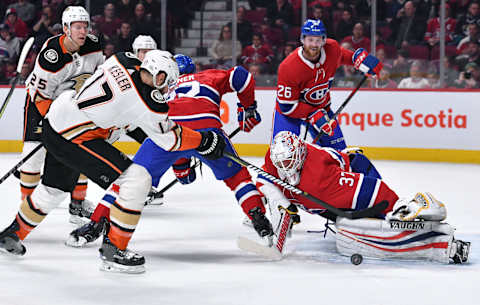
<point>289,102</point>
<point>242,82</point>
<point>45,78</point>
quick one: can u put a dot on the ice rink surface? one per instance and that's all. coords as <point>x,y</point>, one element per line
<point>192,258</point>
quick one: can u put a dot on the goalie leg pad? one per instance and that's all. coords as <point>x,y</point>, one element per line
<point>376,238</point>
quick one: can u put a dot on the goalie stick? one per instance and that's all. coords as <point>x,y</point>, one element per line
<point>21,60</point>
<point>159,194</point>
<point>369,212</point>
<point>340,109</point>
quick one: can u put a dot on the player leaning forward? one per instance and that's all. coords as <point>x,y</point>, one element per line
<point>64,63</point>
<point>76,129</point>
<point>413,229</point>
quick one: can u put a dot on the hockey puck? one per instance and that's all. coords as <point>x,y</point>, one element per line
<point>356,259</point>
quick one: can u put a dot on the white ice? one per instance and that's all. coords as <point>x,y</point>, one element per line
<point>192,258</point>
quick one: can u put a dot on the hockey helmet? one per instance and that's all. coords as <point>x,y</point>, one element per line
<point>288,153</point>
<point>143,42</point>
<point>156,62</point>
<point>185,64</point>
<point>313,27</point>
<point>75,14</point>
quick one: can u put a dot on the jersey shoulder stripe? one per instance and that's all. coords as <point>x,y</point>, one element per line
<point>52,57</point>
<point>128,60</point>
<point>91,45</point>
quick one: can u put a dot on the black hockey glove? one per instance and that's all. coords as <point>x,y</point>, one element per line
<point>212,145</point>
<point>260,223</point>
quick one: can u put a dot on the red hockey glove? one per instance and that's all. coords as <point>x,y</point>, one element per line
<point>366,63</point>
<point>248,117</point>
<point>184,173</point>
<point>320,121</point>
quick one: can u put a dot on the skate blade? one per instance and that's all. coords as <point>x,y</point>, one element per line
<point>117,268</point>
<point>75,243</point>
<point>78,221</point>
<point>251,246</point>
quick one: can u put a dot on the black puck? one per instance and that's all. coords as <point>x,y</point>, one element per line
<point>356,259</point>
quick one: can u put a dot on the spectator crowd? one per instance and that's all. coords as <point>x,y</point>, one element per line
<point>407,37</point>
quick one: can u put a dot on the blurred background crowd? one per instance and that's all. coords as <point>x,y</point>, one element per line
<point>407,35</point>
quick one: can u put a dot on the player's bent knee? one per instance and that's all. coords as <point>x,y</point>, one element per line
<point>361,164</point>
<point>47,198</point>
<point>135,183</point>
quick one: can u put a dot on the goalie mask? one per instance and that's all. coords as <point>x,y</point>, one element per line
<point>156,62</point>
<point>288,153</point>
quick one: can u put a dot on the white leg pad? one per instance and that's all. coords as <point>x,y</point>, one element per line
<point>377,238</point>
<point>134,183</point>
<point>47,198</point>
<point>35,163</point>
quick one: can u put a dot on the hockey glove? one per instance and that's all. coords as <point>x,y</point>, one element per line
<point>212,145</point>
<point>248,117</point>
<point>321,121</point>
<point>261,224</point>
<point>184,173</point>
<point>366,63</point>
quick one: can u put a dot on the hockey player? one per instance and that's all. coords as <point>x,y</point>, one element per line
<point>304,81</point>
<point>76,130</point>
<point>197,105</point>
<point>328,175</point>
<point>142,44</point>
<point>64,62</point>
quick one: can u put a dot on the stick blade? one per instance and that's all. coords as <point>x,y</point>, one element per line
<point>251,246</point>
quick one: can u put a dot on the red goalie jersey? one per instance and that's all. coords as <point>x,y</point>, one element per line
<point>198,96</point>
<point>303,86</point>
<point>326,175</point>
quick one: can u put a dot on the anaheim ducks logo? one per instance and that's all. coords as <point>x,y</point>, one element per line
<point>157,96</point>
<point>79,80</point>
<point>51,56</point>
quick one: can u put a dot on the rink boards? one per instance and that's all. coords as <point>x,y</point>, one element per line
<point>390,124</point>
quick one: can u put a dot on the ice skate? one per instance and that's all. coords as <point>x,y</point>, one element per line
<point>9,241</point>
<point>121,261</point>
<point>80,211</point>
<point>459,251</point>
<point>85,234</point>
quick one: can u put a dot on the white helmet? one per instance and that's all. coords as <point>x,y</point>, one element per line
<point>75,14</point>
<point>288,153</point>
<point>157,61</point>
<point>143,42</point>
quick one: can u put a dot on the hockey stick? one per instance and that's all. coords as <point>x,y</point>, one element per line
<point>369,212</point>
<point>17,166</point>
<point>340,109</point>
<point>23,56</point>
<point>159,194</point>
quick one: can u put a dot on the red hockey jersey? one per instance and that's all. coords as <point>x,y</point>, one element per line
<point>198,96</point>
<point>303,86</point>
<point>326,175</point>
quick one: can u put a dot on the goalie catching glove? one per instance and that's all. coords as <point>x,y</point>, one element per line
<point>366,63</point>
<point>212,145</point>
<point>423,206</point>
<point>183,171</point>
<point>248,117</point>
<point>321,122</point>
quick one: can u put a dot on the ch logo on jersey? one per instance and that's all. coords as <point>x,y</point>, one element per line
<point>317,94</point>
<point>79,80</point>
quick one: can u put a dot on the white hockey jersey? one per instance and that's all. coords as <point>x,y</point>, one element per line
<point>56,70</point>
<point>113,98</point>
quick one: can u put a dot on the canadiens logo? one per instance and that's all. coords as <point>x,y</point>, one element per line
<point>51,56</point>
<point>317,94</point>
<point>157,96</point>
